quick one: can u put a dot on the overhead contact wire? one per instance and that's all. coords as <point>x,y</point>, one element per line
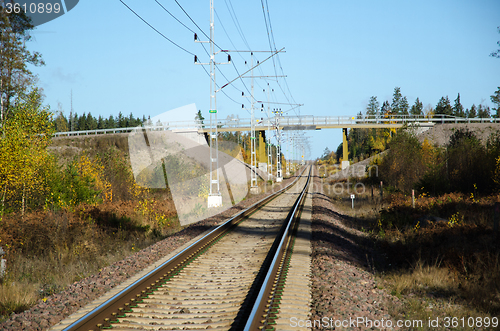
<point>185,12</point>
<point>204,48</point>
<point>152,27</point>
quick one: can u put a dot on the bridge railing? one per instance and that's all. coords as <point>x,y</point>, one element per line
<point>173,125</point>
<point>288,121</point>
<point>364,119</point>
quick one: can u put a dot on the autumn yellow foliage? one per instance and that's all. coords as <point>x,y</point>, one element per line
<point>95,170</point>
<point>496,174</point>
<point>23,154</point>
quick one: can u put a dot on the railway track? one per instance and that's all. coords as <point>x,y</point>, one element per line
<point>234,278</point>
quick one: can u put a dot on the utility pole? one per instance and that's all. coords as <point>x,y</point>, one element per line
<point>279,172</point>
<point>269,147</point>
<point>253,155</point>
<point>214,196</point>
<point>295,150</point>
<point>288,154</point>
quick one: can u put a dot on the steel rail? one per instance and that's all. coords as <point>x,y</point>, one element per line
<point>108,312</point>
<point>265,308</point>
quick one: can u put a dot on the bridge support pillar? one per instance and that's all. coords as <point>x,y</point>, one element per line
<point>345,152</point>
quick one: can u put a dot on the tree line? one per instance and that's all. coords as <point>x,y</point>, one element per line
<point>400,106</point>
<point>366,142</point>
<point>89,122</point>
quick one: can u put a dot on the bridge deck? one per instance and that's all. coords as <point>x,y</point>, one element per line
<point>293,123</point>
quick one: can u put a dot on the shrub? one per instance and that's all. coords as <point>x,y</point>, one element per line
<point>466,162</point>
<point>403,166</point>
<point>464,165</point>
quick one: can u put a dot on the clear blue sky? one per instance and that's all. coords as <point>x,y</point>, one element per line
<point>338,55</point>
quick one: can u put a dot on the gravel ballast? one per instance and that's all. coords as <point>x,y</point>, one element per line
<point>344,286</point>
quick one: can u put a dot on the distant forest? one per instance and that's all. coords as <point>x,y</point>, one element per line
<point>367,142</point>
<point>89,122</point>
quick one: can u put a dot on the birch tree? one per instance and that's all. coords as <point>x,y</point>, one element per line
<point>23,151</point>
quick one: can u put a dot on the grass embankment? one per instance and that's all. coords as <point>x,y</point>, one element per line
<point>93,215</point>
<point>441,257</point>
<point>46,251</point>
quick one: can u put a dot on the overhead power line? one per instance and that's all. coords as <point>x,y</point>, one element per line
<point>204,48</point>
<point>217,85</point>
<point>224,29</point>
<point>152,27</point>
<point>238,28</point>
<point>271,36</point>
<point>232,13</point>
<point>185,12</point>
<point>268,36</point>
<point>230,40</point>
<point>258,64</point>
<point>165,9</point>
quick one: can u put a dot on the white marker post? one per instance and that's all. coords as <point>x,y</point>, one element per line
<point>3,264</point>
<point>352,200</point>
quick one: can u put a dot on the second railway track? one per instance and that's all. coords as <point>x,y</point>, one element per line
<point>217,282</point>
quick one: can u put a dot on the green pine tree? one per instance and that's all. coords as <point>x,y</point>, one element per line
<point>403,105</point>
<point>495,98</point>
<point>91,122</point>
<point>483,111</point>
<point>100,122</point>
<point>82,123</point>
<point>444,107</point>
<point>372,108</point>
<point>472,112</point>
<point>458,109</point>
<point>416,109</point>
<point>386,109</point>
<point>396,105</point>
<point>121,121</point>
<point>15,59</point>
